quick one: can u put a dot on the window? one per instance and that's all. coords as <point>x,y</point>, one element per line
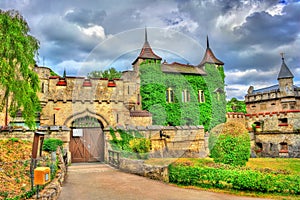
<point>185,96</point>
<point>283,122</point>
<point>201,97</point>
<point>169,95</point>
<point>271,147</point>
<point>43,88</point>
<point>283,147</point>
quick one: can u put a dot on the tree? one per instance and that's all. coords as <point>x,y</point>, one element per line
<point>18,81</point>
<point>229,143</point>
<point>235,105</point>
<point>110,73</point>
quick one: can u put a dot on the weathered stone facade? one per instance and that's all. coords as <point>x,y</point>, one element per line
<point>110,101</point>
<point>273,114</point>
<point>181,141</point>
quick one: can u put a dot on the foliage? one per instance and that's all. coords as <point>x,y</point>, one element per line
<point>14,164</point>
<point>52,73</point>
<point>110,73</point>
<point>18,82</point>
<point>123,142</point>
<point>213,136</point>
<point>226,177</point>
<point>140,145</point>
<point>15,161</point>
<point>232,145</point>
<point>51,144</point>
<point>130,143</point>
<point>154,84</point>
<point>235,105</point>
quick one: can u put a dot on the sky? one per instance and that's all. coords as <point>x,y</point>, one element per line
<point>247,35</point>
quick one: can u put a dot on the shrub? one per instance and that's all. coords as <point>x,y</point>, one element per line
<point>51,144</point>
<point>140,145</point>
<point>234,178</point>
<point>231,145</point>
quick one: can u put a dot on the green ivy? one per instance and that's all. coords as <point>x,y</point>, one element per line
<point>131,144</point>
<point>154,84</point>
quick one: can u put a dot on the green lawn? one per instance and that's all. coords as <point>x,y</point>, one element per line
<point>291,165</point>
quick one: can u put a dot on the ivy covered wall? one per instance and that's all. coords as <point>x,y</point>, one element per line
<point>183,111</point>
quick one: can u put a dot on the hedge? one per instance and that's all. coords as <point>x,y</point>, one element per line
<point>239,179</point>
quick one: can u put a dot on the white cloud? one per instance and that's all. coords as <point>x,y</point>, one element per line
<point>95,30</point>
<point>276,9</point>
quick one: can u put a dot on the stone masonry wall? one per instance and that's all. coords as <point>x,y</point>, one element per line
<point>272,144</point>
<point>183,141</point>
<point>140,168</point>
<point>60,132</point>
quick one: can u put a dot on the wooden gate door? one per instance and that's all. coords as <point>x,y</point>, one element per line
<point>87,147</point>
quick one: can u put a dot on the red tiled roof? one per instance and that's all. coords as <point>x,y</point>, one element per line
<point>61,82</point>
<point>140,113</point>
<point>209,56</point>
<point>147,53</point>
<point>87,83</point>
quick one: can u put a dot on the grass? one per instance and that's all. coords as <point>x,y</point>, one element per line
<point>291,165</point>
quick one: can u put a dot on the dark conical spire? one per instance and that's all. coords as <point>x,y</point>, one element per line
<point>207,42</point>
<point>146,38</point>
<point>146,52</point>
<point>65,74</point>
<point>209,56</point>
<point>284,70</point>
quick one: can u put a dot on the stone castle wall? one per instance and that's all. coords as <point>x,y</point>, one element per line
<point>235,116</point>
<point>59,132</point>
<point>183,141</point>
<point>64,99</point>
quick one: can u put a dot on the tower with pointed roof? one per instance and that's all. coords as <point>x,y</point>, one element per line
<point>273,115</point>
<point>146,53</point>
<point>285,80</point>
<point>209,56</point>
<point>193,85</point>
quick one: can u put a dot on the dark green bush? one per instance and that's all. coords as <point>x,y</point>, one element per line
<point>234,178</point>
<point>230,144</point>
<point>51,144</point>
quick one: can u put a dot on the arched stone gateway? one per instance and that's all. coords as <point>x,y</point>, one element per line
<point>87,140</point>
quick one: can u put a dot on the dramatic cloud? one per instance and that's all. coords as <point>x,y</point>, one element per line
<point>247,36</point>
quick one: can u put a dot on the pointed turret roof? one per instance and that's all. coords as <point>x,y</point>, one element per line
<point>284,70</point>
<point>146,52</point>
<point>209,56</point>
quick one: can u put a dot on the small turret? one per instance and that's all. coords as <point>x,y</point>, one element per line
<point>146,52</point>
<point>209,56</point>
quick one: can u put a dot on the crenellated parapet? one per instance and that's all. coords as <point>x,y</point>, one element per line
<point>115,100</point>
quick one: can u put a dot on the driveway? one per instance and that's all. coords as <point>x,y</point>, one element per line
<point>99,181</point>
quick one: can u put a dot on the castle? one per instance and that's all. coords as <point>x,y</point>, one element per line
<point>86,107</point>
<point>273,115</point>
